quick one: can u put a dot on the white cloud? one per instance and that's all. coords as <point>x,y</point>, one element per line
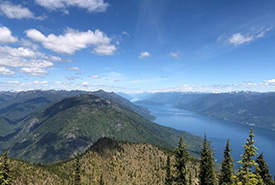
<point>90,5</point>
<point>105,50</point>
<point>6,71</point>
<point>174,54</point>
<point>270,81</point>
<point>144,54</point>
<point>85,84</point>
<point>239,39</point>
<point>29,44</point>
<point>95,76</point>
<point>261,32</point>
<point>20,52</point>
<point>74,40</point>
<point>15,11</point>
<point>30,61</point>
<point>33,71</point>
<point>73,68</point>
<point>13,82</point>
<point>126,33</point>
<point>5,36</point>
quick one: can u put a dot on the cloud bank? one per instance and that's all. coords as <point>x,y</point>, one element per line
<point>74,40</point>
<point>89,5</point>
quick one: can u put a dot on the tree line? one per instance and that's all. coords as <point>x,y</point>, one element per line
<point>252,170</point>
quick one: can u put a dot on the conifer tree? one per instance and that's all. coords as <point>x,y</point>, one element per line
<point>1,173</point>
<point>5,173</point>
<point>77,171</point>
<point>181,158</point>
<point>190,178</point>
<point>226,176</point>
<point>168,178</point>
<point>263,170</point>
<point>247,164</point>
<point>101,182</point>
<point>207,174</point>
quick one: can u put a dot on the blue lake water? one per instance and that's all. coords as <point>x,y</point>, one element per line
<point>218,131</point>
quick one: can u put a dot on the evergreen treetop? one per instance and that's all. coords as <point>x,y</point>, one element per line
<point>207,174</point>
<point>77,171</point>
<point>5,172</point>
<point>247,164</point>
<point>168,178</point>
<point>226,174</point>
<point>263,170</point>
<point>181,158</point>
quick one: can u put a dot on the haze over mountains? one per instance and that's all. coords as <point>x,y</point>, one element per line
<point>252,108</point>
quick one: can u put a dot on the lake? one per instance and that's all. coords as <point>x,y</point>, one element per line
<point>218,131</point>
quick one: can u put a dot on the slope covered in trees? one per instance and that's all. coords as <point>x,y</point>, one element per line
<point>110,161</point>
<point>60,129</point>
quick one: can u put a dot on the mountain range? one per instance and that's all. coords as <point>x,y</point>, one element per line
<point>252,108</point>
<point>56,129</point>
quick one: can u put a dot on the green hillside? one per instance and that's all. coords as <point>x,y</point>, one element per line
<point>17,106</point>
<point>124,103</point>
<point>255,109</point>
<point>6,126</point>
<point>60,129</point>
<point>118,162</point>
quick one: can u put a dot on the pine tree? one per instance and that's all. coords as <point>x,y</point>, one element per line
<point>1,173</point>
<point>181,158</point>
<point>263,170</point>
<point>245,175</point>
<point>207,174</point>
<point>168,178</point>
<point>190,178</point>
<point>5,173</point>
<point>101,182</point>
<point>226,176</point>
<point>77,171</point>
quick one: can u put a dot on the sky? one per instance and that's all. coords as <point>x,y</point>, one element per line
<point>138,45</point>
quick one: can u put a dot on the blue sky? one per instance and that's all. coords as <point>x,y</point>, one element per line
<point>138,45</point>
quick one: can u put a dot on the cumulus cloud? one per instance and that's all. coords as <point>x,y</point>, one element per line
<point>144,54</point>
<point>40,82</point>
<point>20,52</point>
<point>105,50</point>
<point>16,11</point>
<point>95,76</point>
<point>30,61</point>
<point>74,40</point>
<point>73,68</point>
<point>33,71</point>
<point>90,5</point>
<point>85,84</point>
<point>29,44</point>
<point>6,36</point>
<point>174,54</point>
<point>6,71</point>
<point>239,39</point>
